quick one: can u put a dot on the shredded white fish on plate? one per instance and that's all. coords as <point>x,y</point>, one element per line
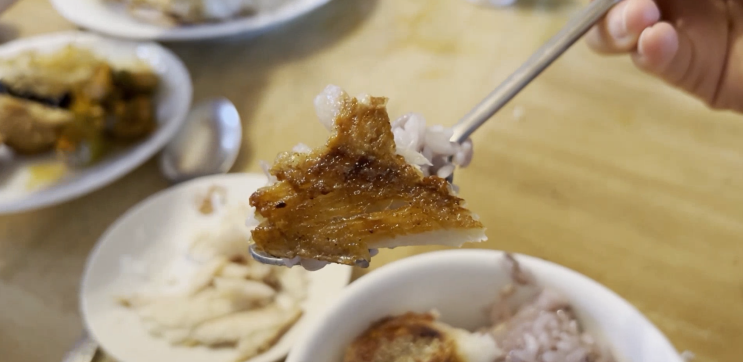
<point>214,294</point>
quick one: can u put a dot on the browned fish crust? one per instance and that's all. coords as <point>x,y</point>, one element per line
<point>334,203</point>
<point>408,337</point>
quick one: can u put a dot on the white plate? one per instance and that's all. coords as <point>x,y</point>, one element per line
<point>173,102</point>
<point>150,233</point>
<point>115,21</point>
<point>461,285</point>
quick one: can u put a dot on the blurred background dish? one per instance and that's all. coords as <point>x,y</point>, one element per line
<point>207,144</point>
<point>94,124</point>
<point>463,285</point>
<point>154,280</point>
<point>175,20</point>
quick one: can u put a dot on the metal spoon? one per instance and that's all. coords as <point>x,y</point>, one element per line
<point>264,258</point>
<point>85,350</point>
<point>538,62</point>
<point>207,144</point>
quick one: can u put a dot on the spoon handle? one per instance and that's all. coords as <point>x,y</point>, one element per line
<point>538,62</point>
<point>84,350</point>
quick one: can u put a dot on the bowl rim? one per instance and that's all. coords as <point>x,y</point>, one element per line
<point>140,30</point>
<point>424,260</point>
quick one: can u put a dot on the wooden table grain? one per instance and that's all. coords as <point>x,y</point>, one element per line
<point>594,166</point>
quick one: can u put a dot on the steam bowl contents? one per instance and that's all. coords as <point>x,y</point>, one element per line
<point>481,305</point>
<point>375,184</point>
<point>420,337</point>
<point>541,327</point>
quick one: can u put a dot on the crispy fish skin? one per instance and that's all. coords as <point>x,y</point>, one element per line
<point>334,203</point>
<point>409,337</point>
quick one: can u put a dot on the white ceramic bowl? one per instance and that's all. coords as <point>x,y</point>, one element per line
<point>461,284</point>
<point>172,102</point>
<point>151,234</point>
<point>104,17</point>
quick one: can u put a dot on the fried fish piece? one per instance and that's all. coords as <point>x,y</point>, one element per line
<point>419,337</point>
<point>29,127</point>
<point>336,202</point>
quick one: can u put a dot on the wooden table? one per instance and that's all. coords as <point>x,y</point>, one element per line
<point>594,166</point>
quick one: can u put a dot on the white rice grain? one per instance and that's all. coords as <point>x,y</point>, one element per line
<point>445,171</point>
<point>302,148</point>
<point>328,105</point>
<point>429,148</point>
<point>266,167</point>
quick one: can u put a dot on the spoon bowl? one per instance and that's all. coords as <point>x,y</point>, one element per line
<point>207,144</point>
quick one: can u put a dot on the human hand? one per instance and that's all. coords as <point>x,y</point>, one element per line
<point>696,45</point>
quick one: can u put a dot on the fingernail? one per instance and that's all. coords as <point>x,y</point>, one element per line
<point>640,43</point>
<point>617,23</point>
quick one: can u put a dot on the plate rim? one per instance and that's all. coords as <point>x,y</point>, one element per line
<point>147,202</point>
<point>224,29</point>
<point>134,156</point>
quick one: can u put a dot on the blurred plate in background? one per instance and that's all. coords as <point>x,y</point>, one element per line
<point>114,20</point>
<point>172,105</point>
